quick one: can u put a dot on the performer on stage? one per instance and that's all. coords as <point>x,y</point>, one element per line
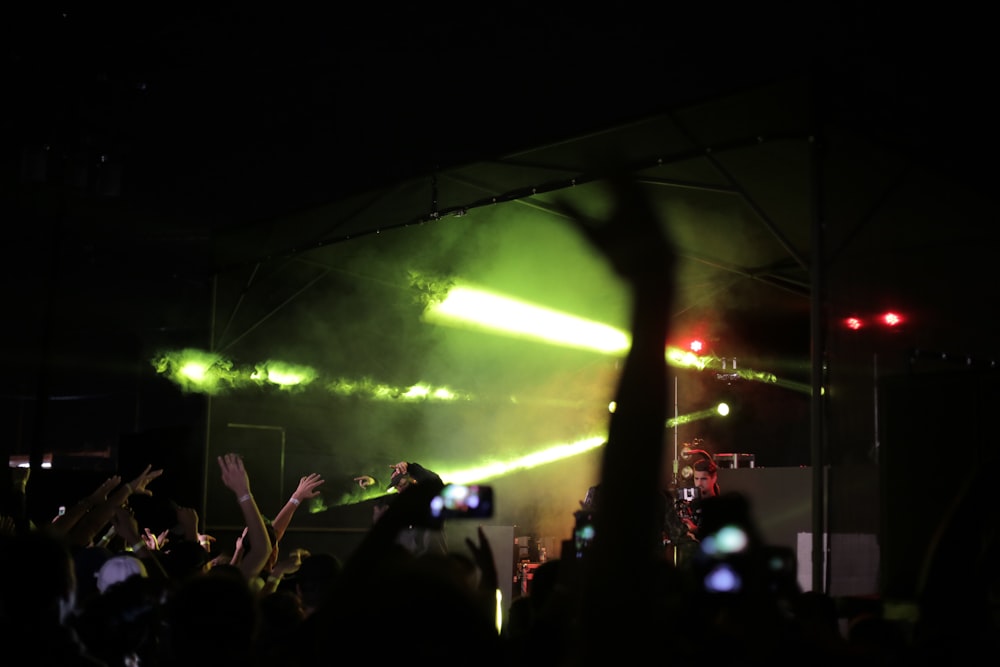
<point>416,538</point>
<point>683,520</point>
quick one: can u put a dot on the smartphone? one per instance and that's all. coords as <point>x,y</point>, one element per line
<point>688,494</point>
<point>463,501</point>
<point>583,533</point>
<point>723,577</point>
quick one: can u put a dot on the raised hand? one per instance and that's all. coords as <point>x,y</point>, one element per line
<point>206,541</point>
<point>19,477</point>
<point>482,554</point>
<point>100,494</point>
<point>632,238</point>
<point>153,541</point>
<point>138,485</point>
<point>364,481</point>
<point>126,526</point>
<point>187,519</point>
<point>239,542</point>
<point>234,474</point>
<point>290,564</point>
<point>307,487</point>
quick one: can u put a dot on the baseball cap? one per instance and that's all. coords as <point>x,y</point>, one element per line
<point>117,569</point>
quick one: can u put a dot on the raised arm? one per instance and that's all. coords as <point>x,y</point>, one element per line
<point>15,504</point>
<point>306,490</point>
<point>103,511</point>
<point>234,476</point>
<point>65,524</point>
<point>128,528</point>
<point>634,242</point>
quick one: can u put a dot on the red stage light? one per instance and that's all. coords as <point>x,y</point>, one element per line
<point>891,319</point>
<point>887,320</point>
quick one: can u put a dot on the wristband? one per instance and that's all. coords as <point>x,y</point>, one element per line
<point>295,501</point>
<point>245,498</point>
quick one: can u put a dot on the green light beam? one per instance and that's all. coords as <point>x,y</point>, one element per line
<point>720,410</point>
<point>488,471</point>
<point>541,457</point>
<point>801,387</point>
<point>479,309</point>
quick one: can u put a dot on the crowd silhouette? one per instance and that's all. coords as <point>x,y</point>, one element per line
<point>93,587</point>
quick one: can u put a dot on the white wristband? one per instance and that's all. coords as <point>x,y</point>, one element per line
<point>295,501</point>
<point>245,498</point>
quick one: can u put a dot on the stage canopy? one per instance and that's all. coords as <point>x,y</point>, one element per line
<point>792,211</point>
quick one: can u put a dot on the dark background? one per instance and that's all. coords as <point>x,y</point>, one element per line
<point>212,178</point>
